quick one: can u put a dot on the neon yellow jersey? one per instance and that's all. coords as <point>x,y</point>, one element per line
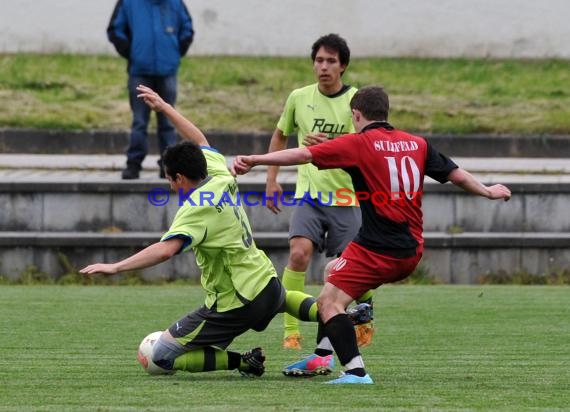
<point>214,226</point>
<point>307,110</point>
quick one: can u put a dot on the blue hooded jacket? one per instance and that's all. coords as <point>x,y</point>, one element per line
<point>151,34</point>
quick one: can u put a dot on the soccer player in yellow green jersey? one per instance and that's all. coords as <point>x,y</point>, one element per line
<point>243,291</point>
<point>316,113</point>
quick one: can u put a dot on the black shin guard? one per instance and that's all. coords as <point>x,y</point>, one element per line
<point>340,332</point>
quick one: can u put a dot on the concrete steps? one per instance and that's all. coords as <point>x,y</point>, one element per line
<point>60,211</point>
<point>96,142</point>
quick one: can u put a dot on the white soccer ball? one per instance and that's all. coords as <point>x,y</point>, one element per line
<point>145,355</point>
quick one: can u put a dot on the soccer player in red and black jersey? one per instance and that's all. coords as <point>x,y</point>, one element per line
<point>387,167</point>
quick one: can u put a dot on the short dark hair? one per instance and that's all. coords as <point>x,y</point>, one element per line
<point>372,102</point>
<point>187,159</point>
<point>335,43</point>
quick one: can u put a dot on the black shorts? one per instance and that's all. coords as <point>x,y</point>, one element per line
<point>206,327</point>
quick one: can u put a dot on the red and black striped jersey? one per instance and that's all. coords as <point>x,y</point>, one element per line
<point>387,167</point>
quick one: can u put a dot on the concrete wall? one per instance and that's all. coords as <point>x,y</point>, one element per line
<point>86,221</point>
<point>98,206</point>
<point>454,259</point>
<point>443,28</point>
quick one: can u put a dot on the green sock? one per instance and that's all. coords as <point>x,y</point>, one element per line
<point>203,360</point>
<point>366,298</point>
<point>292,281</point>
<point>301,306</point>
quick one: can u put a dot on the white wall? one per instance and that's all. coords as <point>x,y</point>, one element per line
<point>473,28</point>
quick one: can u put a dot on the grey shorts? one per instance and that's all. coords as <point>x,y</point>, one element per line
<point>330,228</point>
<point>206,327</point>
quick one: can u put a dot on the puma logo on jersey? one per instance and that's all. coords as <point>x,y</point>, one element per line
<point>312,107</point>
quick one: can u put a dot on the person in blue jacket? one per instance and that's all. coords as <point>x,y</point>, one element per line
<point>152,35</point>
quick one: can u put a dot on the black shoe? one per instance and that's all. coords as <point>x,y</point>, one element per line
<point>254,359</point>
<point>130,172</point>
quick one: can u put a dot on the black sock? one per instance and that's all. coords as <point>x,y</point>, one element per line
<point>340,332</point>
<point>320,331</point>
<point>320,336</point>
<point>323,352</point>
<point>234,360</point>
<point>356,371</point>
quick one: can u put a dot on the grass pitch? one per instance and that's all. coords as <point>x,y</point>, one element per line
<point>436,348</point>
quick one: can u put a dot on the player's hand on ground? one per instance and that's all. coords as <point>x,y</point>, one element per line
<point>151,98</point>
<point>273,192</point>
<point>499,192</point>
<point>315,138</point>
<point>242,165</point>
<point>99,268</point>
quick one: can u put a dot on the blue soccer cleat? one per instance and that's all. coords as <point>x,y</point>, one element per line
<point>362,316</point>
<point>312,365</point>
<point>347,378</point>
<point>361,313</point>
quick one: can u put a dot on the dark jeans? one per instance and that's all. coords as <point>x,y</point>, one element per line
<point>166,133</point>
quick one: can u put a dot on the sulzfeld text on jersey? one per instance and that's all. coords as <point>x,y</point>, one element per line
<point>399,146</point>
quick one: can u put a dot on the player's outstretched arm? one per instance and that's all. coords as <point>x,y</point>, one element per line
<point>243,164</point>
<point>278,142</point>
<point>469,183</point>
<point>150,256</point>
<point>187,129</point>
<point>312,139</point>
